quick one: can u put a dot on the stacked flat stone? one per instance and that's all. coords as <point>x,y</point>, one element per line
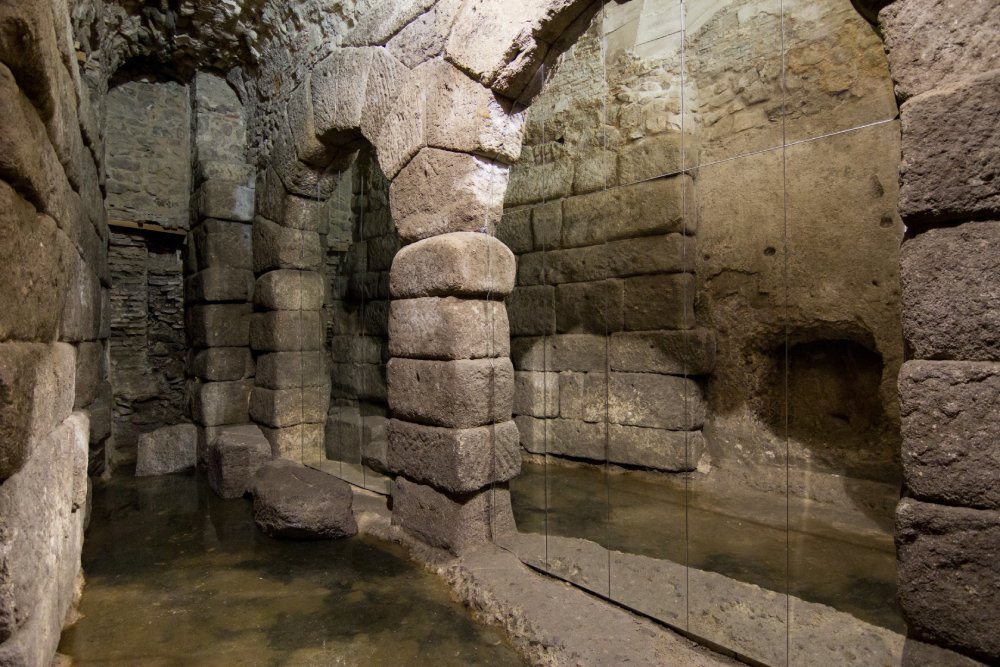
<point>945,64</point>
<point>292,390</point>
<point>218,264</point>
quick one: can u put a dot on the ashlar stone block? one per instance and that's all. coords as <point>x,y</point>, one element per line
<point>302,443</point>
<point>167,450</point>
<point>287,370</point>
<point>454,460</point>
<point>456,394</point>
<point>286,330</point>
<point>663,301</point>
<point>339,84</point>
<point>221,403</point>
<point>536,393</point>
<point>226,200</point>
<point>688,352</point>
<point>655,401</point>
<point>951,425</point>
<point>456,264</point>
<point>234,457</point>
<point>221,364</point>
<point>280,408</point>
<point>218,285</point>
<point>448,328</point>
<point>220,243</point>
<point>219,325</point>
<point>441,191</point>
<point>532,310</point>
<point>277,247</point>
<point>287,289</point>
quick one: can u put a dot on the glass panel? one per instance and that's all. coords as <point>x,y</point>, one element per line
<point>843,416</point>
<point>736,510</point>
<point>836,72</point>
<point>733,96</point>
<point>361,245</point>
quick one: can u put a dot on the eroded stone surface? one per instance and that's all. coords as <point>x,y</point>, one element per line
<point>456,394</point>
<point>448,328</point>
<point>293,502</point>
<point>166,450</point>
<point>234,457</point>
<point>456,264</point>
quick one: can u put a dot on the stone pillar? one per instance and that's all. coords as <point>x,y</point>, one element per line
<point>219,281</point>
<point>292,391</point>
<point>944,60</point>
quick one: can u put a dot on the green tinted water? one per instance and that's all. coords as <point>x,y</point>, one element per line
<point>177,576</point>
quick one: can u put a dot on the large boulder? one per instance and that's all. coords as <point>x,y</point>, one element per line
<point>234,457</point>
<point>291,501</point>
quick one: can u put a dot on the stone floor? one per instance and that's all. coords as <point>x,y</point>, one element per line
<point>177,576</point>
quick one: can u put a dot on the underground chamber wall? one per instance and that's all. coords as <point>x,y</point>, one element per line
<point>705,326</point>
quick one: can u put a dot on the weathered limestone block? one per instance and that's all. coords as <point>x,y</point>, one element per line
<point>595,307</point>
<point>531,182</point>
<point>100,413</point>
<point>360,349</point>
<point>951,152</point>
<point>424,37</point>
<point>577,439</point>
<point>37,392</point>
<point>286,289</point>
<point>383,19</point>
<point>448,328</point>
<point>293,502</point>
<point>595,170</point>
<point>219,284</point>
<point>270,194</point>
<point>339,84</point>
<point>454,460</point>
<point>309,215</point>
<point>359,381</point>
<point>286,370</point>
<point>465,116</point>
<point>532,310</point>
<point>949,280</point>
<point>950,424</point>
<point>655,448</point>
<point>582,396</point>
<point>949,585</point>
<point>224,170</point>
<point>308,148</point>
<point>650,157</point>
<point>656,401</point>
<point>167,450</point>
<point>456,264</point>
<point>234,457</point>
<point>503,45</point>
<point>668,253</point>
<point>659,302</point>
<point>219,325</point>
<point>286,330</point>
<point>28,46</point>
<point>221,364</point>
<point>454,522</point>
<point>938,42</point>
<point>91,371</point>
<point>345,434</point>
<point>226,200</point>
<point>302,443</point>
<point>642,209</point>
<point>220,243</point>
<point>221,403</point>
<point>279,408</point>
<point>402,132</point>
<point>532,433</point>
<point>277,247</point>
<point>546,225</point>
<point>385,78</point>
<point>81,313</point>
<point>441,191</point>
<point>457,394</point>
<point>32,269</point>
<point>514,230</point>
<point>689,352</point>
<point>565,352</point>
<point>536,393</point>
<point>43,509</point>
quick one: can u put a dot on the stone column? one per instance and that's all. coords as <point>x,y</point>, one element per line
<point>944,59</point>
<point>219,282</point>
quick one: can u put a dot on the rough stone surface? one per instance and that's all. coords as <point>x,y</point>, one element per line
<point>300,443</point>
<point>220,243</point>
<point>286,330</point>
<point>456,394</point>
<point>537,393</point>
<point>659,302</point>
<point>286,370</point>
<point>456,264</point>
<point>166,450</point>
<point>949,586</point>
<point>470,187</point>
<point>454,460</point>
<point>531,310</point>
<point>221,403</point>
<point>937,42</point>
<point>234,457</point>
<point>219,284</point>
<point>221,364</point>
<point>453,522</point>
<point>219,325</point>
<point>226,200</point>
<point>293,502</point>
<point>277,247</point>
<point>657,401</point>
<point>951,152</point>
<point>287,407</point>
<point>690,352</point>
<point>949,279</point>
<point>448,328</point>
<point>38,392</point>
<point>289,290</point>
<point>950,412</point>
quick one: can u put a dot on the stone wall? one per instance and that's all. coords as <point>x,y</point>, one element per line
<point>944,61</point>
<point>147,343</point>
<point>54,322</point>
<point>724,188</point>
<point>149,153</point>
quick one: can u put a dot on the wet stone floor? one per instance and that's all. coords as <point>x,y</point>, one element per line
<point>177,576</point>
